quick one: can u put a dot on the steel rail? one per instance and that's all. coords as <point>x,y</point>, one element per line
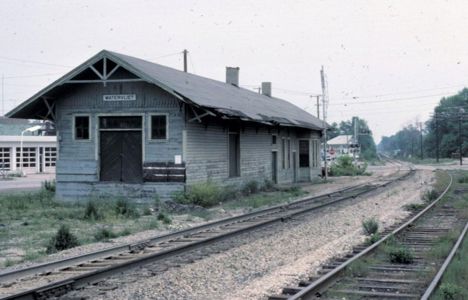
<point>435,282</point>
<point>324,281</point>
<point>11,275</point>
<point>80,280</point>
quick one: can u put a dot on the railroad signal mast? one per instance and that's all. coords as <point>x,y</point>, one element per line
<point>324,114</point>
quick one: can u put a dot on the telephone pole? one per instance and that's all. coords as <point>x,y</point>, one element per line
<point>460,142</point>
<point>3,95</point>
<point>185,60</point>
<point>318,107</point>
<point>324,99</point>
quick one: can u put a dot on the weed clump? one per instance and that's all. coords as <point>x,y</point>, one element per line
<point>163,217</point>
<point>450,291</point>
<point>370,226</point>
<point>414,206</point>
<point>250,187</point>
<point>430,195</point>
<point>124,208</point>
<point>205,194</point>
<point>372,239</point>
<point>49,185</point>
<point>104,234</point>
<point>397,253</point>
<point>92,212</point>
<point>62,240</point>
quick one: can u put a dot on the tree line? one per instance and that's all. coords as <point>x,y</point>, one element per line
<point>441,136</point>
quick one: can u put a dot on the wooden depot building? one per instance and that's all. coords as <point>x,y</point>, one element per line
<point>130,127</point>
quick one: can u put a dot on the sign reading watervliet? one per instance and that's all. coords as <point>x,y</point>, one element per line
<point>126,97</point>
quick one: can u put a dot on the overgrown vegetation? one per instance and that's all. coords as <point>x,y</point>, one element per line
<point>344,166</point>
<point>49,185</point>
<point>453,285</point>
<point>104,234</point>
<point>251,194</point>
<point>370,226</point>
<point>62,240</point>
<point>164,217</point>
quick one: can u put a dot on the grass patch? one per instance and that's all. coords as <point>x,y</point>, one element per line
<point>164,217</point>
<point>430,195</point>
<point>359,268</point>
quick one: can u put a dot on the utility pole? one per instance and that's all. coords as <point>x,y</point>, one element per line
<point>185,60</point>
<point>324,99</point>
<point>437,137</point>
<point>318,107</point>
<point>421,139</point>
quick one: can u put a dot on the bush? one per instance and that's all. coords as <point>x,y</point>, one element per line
<point>163,217</point>
<point>126,209</point>
<point>370,226</point>
<point>344,166</point>
<point>104,234</point>
<point>268,185</point>
<point>62,240</point>
<point>203,194</point>
<point>49,185</point>
<point>463,179</point>
<point>91,211</point>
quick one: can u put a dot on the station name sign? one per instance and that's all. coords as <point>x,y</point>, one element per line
<point>127,97</point>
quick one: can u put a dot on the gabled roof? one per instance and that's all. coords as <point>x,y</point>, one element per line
<point>341,140</point>
<point>216,96</point>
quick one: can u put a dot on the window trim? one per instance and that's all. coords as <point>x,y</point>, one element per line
<point>150,121</point>
<point>89,139</point>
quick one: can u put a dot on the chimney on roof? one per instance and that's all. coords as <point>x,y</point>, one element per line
<point>266,88</point>
<point>232,75</point>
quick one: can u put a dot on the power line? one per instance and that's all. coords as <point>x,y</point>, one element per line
<point>26,61</point>
<point>167,55</point>
<point>388,100</point>
<point>29,76</point>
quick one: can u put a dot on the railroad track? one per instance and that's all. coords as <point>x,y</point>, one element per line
<point>59,277</point>
<point>366,273</point>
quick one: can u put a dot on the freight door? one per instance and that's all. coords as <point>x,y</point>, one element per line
<point>121,150</point>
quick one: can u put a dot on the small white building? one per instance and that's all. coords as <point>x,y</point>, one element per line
<point>38,153</point>
<point>343,145</point>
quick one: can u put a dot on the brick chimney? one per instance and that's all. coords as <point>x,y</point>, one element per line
<point>266,88</point>
<point>232,75</point>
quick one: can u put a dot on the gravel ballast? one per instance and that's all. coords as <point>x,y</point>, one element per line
<point>265,261</point>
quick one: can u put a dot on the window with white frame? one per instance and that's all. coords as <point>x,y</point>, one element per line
<point>159,126</point>
<point>50,156</point>
<point>5,159</point>
<point>27,159</point>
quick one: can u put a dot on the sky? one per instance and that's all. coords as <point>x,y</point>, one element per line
<point>389,62</point>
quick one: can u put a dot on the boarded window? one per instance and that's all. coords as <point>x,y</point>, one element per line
<point>234,155</point>
<point>159,127</point>
<point>27,159</point>
<point>82,127</point>
<point>304,154</point>
<point>5,158</point>
<point>289,153</point>
<point>315,153</point>
<point>273,139</point>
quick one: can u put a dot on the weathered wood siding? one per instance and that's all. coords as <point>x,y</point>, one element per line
<point>206,149</point>
<point>78,163</point>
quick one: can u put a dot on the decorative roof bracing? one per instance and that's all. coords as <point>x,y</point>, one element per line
<point>214,97</point>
